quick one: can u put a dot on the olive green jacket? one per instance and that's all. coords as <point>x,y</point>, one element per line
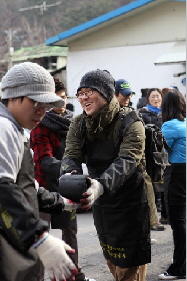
<point>133,143</point>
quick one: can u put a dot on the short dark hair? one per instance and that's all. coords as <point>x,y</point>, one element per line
<point>116,93</point>
<point>59,86</point>
<point>5,101</point>
<point>144,92</point>
<point>173,106</point>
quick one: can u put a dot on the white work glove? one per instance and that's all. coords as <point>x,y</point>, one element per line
<point>70,205</point>
<point>94,191</point>
<point>52,253</point>
<point>36,185</point>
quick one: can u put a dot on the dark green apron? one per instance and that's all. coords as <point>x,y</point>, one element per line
<point>121,220</point>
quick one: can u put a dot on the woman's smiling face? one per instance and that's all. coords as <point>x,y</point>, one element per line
<point>155,99</point>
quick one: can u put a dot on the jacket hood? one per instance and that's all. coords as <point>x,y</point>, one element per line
<point>4,112</point>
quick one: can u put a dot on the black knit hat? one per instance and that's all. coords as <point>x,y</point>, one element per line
<point>100,80</point>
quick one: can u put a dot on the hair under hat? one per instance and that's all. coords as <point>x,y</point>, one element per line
<point>31,80</point>
<point>100,80</point>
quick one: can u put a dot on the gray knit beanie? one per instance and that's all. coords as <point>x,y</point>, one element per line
<point>31,80</point>
<point>101,80</point>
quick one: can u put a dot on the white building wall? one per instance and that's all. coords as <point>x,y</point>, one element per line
<point>162,23</point>
<point>133,63</point>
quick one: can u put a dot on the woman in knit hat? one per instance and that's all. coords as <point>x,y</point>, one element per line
<point>115,182</point>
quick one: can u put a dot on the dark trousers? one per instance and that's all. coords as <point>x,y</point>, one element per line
<point>163,211</point>
<point>177,217</point>
<point>69,236</point>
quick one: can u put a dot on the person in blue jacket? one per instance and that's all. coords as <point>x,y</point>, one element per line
<point>174,130</point>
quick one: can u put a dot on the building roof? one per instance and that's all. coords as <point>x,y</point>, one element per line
<point>75,32</point>
<point>39,51</point>
<point>175,54</point>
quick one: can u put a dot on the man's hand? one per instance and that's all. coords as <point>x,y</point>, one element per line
<point>52,253</point>
<point>70,205</point>
<point>93,193</point>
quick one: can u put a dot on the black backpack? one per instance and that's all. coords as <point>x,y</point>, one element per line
<point>155,147</point>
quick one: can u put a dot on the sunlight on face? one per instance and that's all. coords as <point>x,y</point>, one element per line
<point>93,103</point>
<point>123,100</point>
<point>155,99</point>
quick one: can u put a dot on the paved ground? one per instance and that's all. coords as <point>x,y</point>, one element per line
<point>92,261</point>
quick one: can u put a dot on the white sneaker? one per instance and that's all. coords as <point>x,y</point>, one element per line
<point>88,279</point>
<point>167,276</point>
<point>153,241</point>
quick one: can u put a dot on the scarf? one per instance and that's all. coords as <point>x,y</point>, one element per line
<point>154,109</point>
<point>98,122</point>
<point>57,123</point>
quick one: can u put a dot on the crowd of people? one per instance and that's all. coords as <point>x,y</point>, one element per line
<point>119,189</point>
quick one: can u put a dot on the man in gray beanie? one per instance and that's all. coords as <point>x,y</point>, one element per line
<point>115,163</point>
<point>27,91</point>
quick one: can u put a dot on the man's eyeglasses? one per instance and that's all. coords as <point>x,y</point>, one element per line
<point>87,93</point>
<point>46,106</point>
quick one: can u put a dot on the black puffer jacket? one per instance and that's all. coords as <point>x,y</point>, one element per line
<point>150,117</point>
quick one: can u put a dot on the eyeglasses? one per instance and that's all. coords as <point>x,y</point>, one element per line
<point>155,97</point>
<point>88,93</point>
<point>46,106</point>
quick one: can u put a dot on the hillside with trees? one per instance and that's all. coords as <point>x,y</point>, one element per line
<point>32,21</point>
<point>26,23</point>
